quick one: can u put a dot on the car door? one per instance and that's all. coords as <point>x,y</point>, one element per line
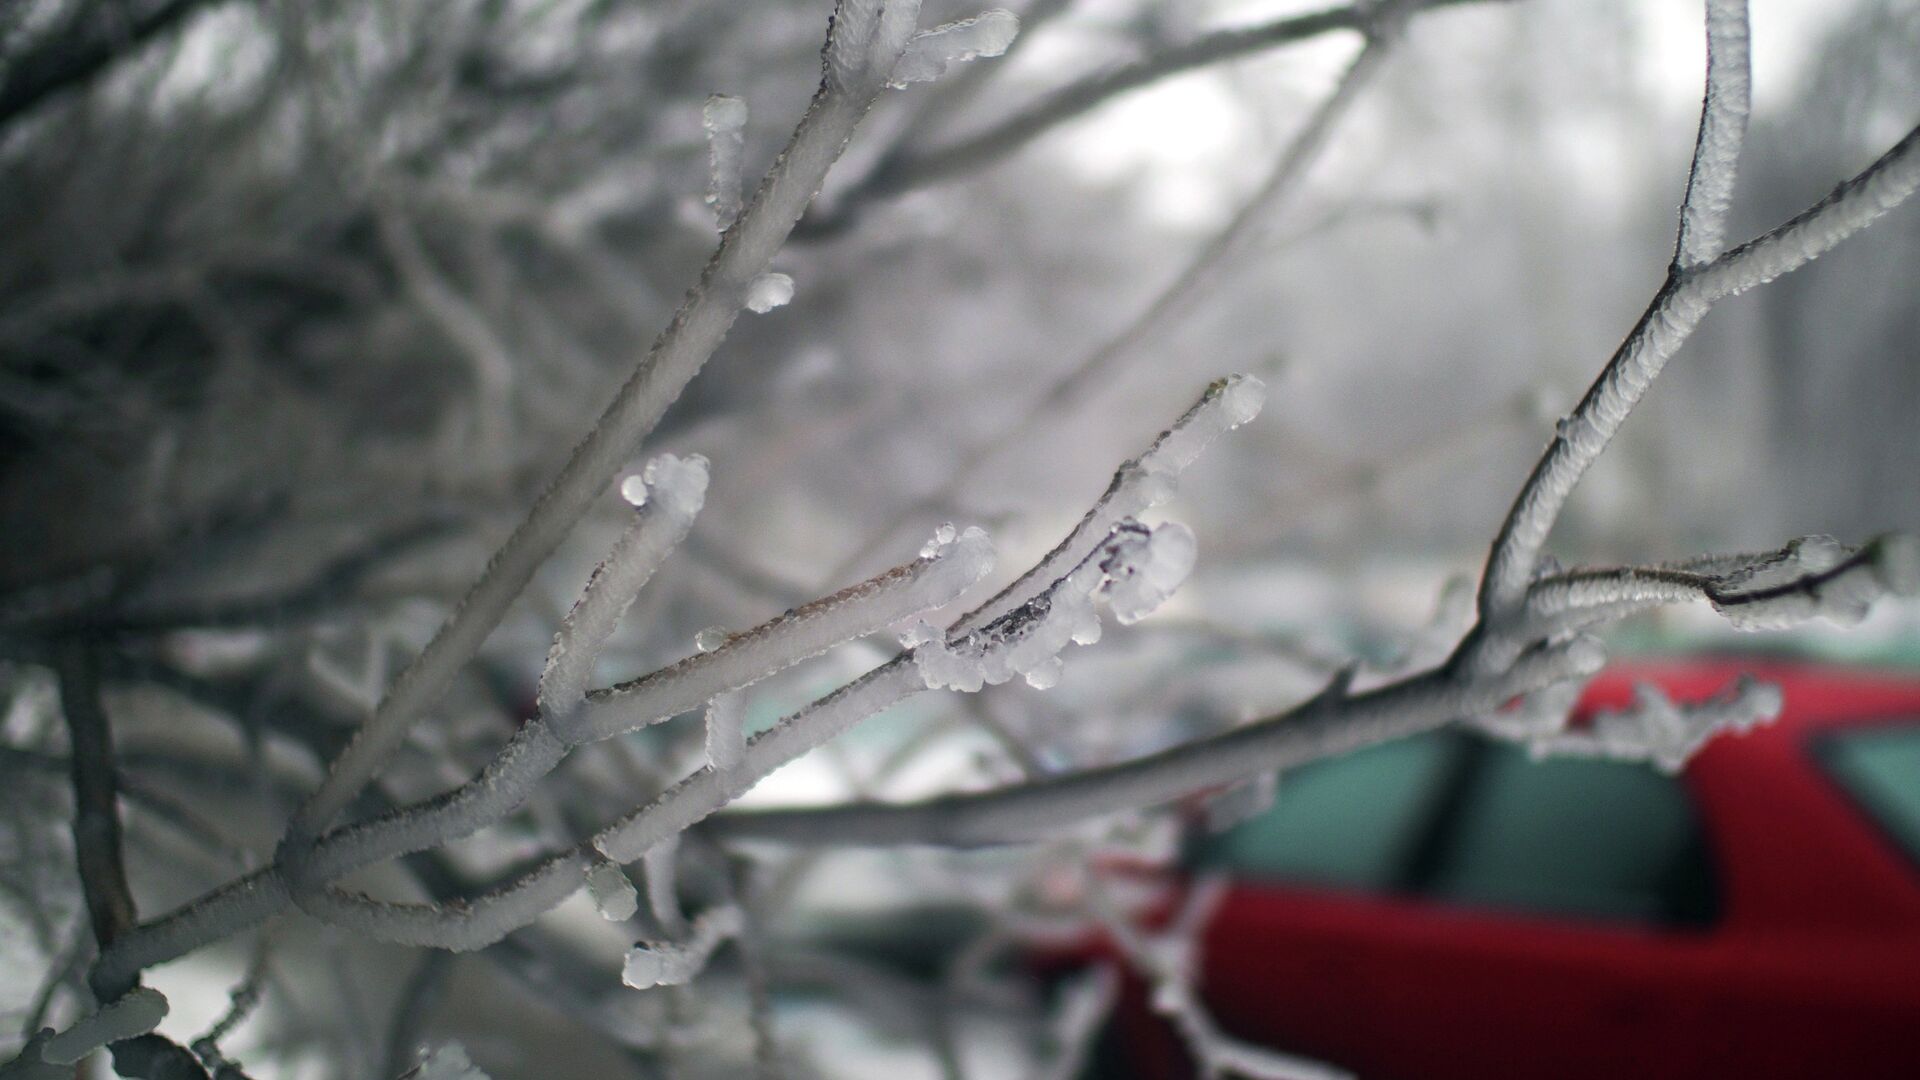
<point>1493,916</point>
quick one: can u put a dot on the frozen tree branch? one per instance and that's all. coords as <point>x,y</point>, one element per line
<point>1657,730</point>
<point>1049,807</point>
<point>1723,127</point>
<point>861,48</point>
<point>1676,309</point>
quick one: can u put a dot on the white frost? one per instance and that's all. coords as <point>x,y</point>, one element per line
<point>769,291</point>
<point>930,52</point>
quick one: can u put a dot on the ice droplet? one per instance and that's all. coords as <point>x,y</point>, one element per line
<point>1242,399</point>
<point>634,490</point>
<point>917,634</point>
<point>711,639</point>
<point>941,537</point>
<point>1046,674</point>
<point>612,893</point>
<point>769,291</point>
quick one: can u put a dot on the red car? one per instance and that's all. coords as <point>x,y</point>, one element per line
<point>1446,907</point>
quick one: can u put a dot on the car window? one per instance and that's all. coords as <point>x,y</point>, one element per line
<point>1880,767</point>
<point>1347,821</point>
<point>1573,836</point>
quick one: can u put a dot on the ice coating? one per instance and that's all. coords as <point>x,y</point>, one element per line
<point>769,291</point>
<point>613,895</point>
<point>725,118</point>
<point>667,963</point>
<point>1141,574</point>
<point>1136,569</point>
<point>930,52</point>
<point>448,1061</point>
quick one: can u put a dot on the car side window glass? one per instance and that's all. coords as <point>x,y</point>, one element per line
<point>1349,821</point>
<point>1579,837</point>
<point>1880,768</point>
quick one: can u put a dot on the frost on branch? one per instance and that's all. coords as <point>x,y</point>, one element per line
<point>1658,730</point>
<point>931,52</point>
<point>751,655</point>
<point>666,963</point>
<point>1818,577</point>
<point>670,494</point>
<point>1136,569</point>
<point>1137,486</point>
<point>725,119</point>
<point>1141,576</point>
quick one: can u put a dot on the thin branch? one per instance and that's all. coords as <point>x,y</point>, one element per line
<point>1675,310</point>
<point>855,46</point>
<point>912,169</point>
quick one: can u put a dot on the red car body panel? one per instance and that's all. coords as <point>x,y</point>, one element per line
<point>1811,968</point>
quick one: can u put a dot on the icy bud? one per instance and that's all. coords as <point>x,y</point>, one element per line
<point>931,52</point>
<point>613,894</point>
<point>725,119</point>
<point>666,963</point>
<point>769,291</point>
<point>1143,571</point>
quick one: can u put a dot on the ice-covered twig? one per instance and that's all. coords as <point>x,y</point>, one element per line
<point>1138,486</point>
<point>931,52</point>
<point>1043,808</point>
<point>674,963</point>
<point>1723,128</point>
<point>671,494</point>
<point>932,580</point>
<point>1690,290</point>
<point>862,45</point>
<point>1812,577</point>
<point>1658,730</point>
<point>1085,1003</point>
<point>725,119</point>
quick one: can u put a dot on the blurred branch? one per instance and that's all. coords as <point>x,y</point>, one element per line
<point>906,168</point>
<point>95,36</point>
